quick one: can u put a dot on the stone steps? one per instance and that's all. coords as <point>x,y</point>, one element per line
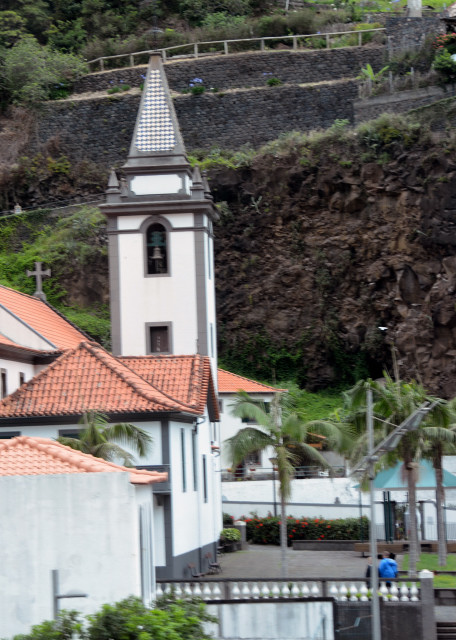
<point>446,630</point>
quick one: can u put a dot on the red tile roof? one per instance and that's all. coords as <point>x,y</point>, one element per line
<point>232,383</point>
<point>185,377</point>
<point>24,456</point>
<point>42,318</point>
<point>89,378</point>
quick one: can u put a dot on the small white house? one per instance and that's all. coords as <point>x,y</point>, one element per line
<point>90,520</point>
<point>229,384</point>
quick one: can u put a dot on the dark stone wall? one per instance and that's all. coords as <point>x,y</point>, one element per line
<point>101,129</point>
<point>398,620</point>
<point>246,70</point>
<point>410,33</point>
<point>399,102</point>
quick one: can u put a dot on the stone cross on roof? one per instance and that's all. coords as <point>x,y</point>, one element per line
<point>39,275</point>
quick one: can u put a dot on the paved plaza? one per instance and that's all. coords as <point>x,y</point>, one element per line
<point>264,562</point>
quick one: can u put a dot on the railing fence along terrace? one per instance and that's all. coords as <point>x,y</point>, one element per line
<point>298,42</point>
<point>260,588</point>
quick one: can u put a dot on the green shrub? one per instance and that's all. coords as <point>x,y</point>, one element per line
<point>230,535</point>
<point>273,82</point>
<point>267,530</point>
<point>228,520</point>
<point>172,618</point>
<point>445,66</point>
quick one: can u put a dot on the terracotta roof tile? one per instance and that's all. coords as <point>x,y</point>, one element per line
<point>42,318</point>
<point>186,378</point>
<point>89,378</point>
<point>25,456</point>
<point>232,383</point>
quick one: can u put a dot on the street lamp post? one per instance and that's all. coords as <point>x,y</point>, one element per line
<point>368,464</point>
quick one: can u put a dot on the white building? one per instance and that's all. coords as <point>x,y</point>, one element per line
<point>91,521</point>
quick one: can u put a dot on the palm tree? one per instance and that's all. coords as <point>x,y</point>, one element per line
<point>103,440</point>
<point>285,434</point>
<point>439,439</point>
<point>394,401</point>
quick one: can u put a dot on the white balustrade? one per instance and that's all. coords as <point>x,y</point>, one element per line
<point>414,592</point>
<point>245,591</point>
<point>404,592</point>
<point>255,591</point>
<point>394,592</point>
<point>342,591</point>
<point>235,591</point>
<point>363,590</point>
<point>353,593</point>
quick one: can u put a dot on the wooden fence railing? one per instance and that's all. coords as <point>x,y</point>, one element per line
<point>298,41</point>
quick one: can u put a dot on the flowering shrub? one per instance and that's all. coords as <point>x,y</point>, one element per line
<point>267,530</point>
<point>445,41</point>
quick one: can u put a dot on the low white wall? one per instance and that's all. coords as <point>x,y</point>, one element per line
<point>262,620</point>
<point>84,525</point>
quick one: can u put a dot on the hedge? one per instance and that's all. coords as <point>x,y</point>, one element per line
<point>267,530</point>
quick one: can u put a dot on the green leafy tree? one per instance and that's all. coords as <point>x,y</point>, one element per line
<point>394,401</point>
<point>12,26</point>
<point>282,432</point>
<point>106,441</point>
<point>30,71</point>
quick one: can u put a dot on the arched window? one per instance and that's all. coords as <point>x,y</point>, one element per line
<point>157,253</point>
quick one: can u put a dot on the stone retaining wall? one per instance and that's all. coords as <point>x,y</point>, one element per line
<point>246,70</point>
<point>101,129</point>
<point>398,102</point>
<point>410,33</point>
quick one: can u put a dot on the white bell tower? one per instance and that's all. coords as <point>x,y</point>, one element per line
<point>160,215</point>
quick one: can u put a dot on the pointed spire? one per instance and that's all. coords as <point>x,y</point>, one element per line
<point>207,189</point>
<point>197,188</point>
<point>113,183</point>
<point>157,140</point>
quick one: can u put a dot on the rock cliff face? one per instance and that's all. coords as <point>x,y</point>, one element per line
<point>315,255</point>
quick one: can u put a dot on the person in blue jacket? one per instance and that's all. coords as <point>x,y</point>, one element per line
<point>388,567</point>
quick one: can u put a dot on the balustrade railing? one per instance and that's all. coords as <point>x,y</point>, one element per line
<point>356,590</point>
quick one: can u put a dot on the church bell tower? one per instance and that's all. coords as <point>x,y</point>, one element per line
<point>160,215</point>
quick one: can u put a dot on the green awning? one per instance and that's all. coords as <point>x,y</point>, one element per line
<point>392,479</point>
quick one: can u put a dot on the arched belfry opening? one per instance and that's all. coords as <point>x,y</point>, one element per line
<point>157,249</point>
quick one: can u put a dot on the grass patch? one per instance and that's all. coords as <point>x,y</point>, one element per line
<point>430,561</point>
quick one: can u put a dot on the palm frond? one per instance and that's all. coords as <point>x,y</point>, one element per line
<point>246,441</point>
<point>130,435</point>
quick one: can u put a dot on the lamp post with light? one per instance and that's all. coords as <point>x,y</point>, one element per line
<point>368,464</point>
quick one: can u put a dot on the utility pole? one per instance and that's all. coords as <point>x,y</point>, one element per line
<point>371,460</point>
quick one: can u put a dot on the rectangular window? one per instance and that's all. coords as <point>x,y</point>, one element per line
<point>209,261</point>
<point>3,384</point>
<point>159,342</point>
<point>184,468</point>
<point>220,405</point>
<point>194,460</point>
<point>70,433</point>
<point>21,378</point>
<point>212,340</point>
<point>158,337</point>
<point>204,479</point>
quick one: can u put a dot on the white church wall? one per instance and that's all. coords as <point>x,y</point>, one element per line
<point>13,370</point>
<point>84,525</point>
<point>157,299</point>
<point>20,333</point>
<point>196,515</point>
